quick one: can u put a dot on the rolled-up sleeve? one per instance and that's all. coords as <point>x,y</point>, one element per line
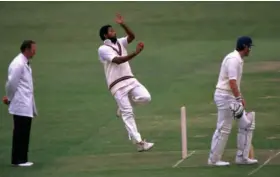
<point>123,41</point>
<point>233,68</point>
<point>14,74</point>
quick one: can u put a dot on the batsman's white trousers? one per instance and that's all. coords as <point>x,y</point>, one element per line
<point>246,125</point>
<point>126,98</point>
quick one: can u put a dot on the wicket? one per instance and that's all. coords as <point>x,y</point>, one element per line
<point>184,136</point>
<point>251,152</point>
<point>184,132</point>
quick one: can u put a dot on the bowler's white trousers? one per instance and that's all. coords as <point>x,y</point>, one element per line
<point>126,98</point>
<point>246,125</point>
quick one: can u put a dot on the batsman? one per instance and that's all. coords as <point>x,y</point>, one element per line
<point>231,106</point>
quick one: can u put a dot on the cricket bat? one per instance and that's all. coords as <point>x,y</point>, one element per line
<point>251,152</point>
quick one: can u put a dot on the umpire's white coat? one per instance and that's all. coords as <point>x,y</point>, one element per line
<point>19,88</point>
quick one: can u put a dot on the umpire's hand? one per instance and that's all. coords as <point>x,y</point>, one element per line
<point>6,100</point>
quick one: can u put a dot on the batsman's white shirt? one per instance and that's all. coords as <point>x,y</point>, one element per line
<point>231,68</point>
<point>107,52</point>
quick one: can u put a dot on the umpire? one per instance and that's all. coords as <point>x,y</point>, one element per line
<point>20,98</point>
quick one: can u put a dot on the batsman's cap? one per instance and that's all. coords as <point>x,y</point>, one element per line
<point>244,41</point>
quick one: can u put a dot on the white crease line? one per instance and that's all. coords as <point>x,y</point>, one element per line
<point>180,161</point>
<point>266,162</point>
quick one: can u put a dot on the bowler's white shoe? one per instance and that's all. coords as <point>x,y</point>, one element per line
<point>26,164</point>
<point>245,161</point>
<point>144,146</point>
<point>219,163</point>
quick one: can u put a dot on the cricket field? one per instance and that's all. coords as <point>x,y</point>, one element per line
<point>77,133</point>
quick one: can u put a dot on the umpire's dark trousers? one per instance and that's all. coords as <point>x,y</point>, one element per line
<point>21,134</point>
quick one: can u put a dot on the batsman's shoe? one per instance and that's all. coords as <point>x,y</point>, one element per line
<point>219,163</point>
<point>245,161</point>
<point>26,164</point>
<point>144,146</point>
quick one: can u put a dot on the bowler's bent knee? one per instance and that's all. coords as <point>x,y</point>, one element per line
<point>142,99</point>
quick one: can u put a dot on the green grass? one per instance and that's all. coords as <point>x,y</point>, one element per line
<point>77,134</point>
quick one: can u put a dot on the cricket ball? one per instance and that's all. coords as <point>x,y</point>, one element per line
<point>141,44</point>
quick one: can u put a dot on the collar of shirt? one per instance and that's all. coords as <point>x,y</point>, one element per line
<point>109,42</point>
<point>236,53</point>
<point>116,47</point>
<point>24,58</point>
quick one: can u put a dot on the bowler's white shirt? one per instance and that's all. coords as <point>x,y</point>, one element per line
<point>112,70</point>
<point>19,88</point>
<point>231,69</point>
